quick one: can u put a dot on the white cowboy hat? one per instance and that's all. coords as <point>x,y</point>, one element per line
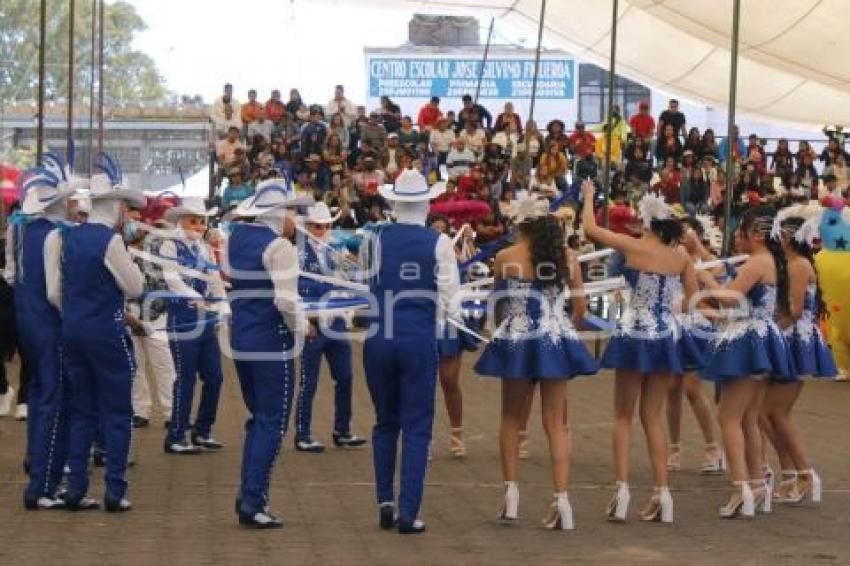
<point>319,213</point>
<point>41,191</point>
<point>411,186</point>
<point>272,196</point>
<point>101,188</point>
<point>189,206</point>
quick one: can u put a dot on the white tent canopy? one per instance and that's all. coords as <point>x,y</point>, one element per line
<point>791,65</point>
<point>197,185</point>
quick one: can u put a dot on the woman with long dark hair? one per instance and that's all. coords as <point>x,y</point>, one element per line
<point>535,342</point>
<point>797,227</point>
<point>749,347</point>
<point>648,348</point>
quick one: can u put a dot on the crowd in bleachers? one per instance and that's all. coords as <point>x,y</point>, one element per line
<point>342,153</point>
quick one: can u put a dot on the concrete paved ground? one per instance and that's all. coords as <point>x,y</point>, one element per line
<point>184,506</point>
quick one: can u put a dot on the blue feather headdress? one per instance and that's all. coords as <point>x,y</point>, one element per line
<point>109,165</point>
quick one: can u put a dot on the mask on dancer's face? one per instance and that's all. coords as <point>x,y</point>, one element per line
<point>131,230</point>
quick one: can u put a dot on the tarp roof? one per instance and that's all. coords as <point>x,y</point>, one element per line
<point>792,64</point>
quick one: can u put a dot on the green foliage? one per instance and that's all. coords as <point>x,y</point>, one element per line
<point>129,75</point>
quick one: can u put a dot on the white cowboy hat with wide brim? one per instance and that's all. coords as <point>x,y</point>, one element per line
<point>412,186</point>
<point>101,188</point>
<point>319,213</point>
<point>39,198</point>
<point>272,197</point>
<point>190,206</point>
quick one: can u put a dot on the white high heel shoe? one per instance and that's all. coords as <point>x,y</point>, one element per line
<point>619,505</point>
<point>786,486</point>
<point>808,484</point>
<point>560,514</point>
<point>740,505</point>
<point>660,506</point>
<point>510,507</point>
<point>763,495</point>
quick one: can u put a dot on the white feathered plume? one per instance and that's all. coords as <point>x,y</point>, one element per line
<point>652,207</point>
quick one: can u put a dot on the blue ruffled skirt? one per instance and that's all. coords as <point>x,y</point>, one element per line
<point>810,354</point>
<point>653,355</point>
<point>536,358</point>
<point>753,348</point>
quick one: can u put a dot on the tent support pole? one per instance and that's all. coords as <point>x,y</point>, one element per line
<point>540,27</point>
<point>91,82</point>
<point>69,144</point>
<point>100,85</point>
<point>484,60</point>
<point>606,171</point>
<point>731,139</point>
<point>42,31</point>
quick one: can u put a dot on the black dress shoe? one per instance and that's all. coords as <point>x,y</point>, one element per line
<point>140,422</point>
<point>81,504</point>
<point>386,516</point>
<point>116,505</point>
<point>206,442</point>
<point>309,445</point>
<point>182,448</point>
<point>411,528</point>
<point>98,457</point>
<point>261,520</point>
<point>348,440</point>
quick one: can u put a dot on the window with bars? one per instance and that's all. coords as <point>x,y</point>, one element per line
<point>593,94</point>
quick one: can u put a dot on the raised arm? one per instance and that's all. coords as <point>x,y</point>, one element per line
<point>597,233</point>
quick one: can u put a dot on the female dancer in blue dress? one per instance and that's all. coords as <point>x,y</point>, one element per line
<point>689,384</point>
<point>536,342</point>
<point>796,227</point>
<point>748,347</point>
<point>648,347</point>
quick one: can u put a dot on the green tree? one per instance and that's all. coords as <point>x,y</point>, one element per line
<point>129,75</point>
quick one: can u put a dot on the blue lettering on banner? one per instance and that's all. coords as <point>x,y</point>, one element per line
<point>502,78</point>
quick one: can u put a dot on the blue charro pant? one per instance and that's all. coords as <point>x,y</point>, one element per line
<point>401,374</point>
<point>267,388</point>
<point>47,426</point>
<point>100,371</point>
<point>338,354</point>
<point>193,356</point>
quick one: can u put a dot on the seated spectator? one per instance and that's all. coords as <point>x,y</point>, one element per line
<point>391,157</point>
<point>668,146</point>
<point>295,103</point>
<point>249,109</point>
<point>555,132</point>
<point>507,138</point>
<point>642,123</point>
<point>829,189</point>
<point>638,166</point>
<point>275,110</point>
<point>807,174</point>
<point>533,141</point>
<point>668,187</point>
<point>621,216</point>
<point>318,176</point>
<point>474,137</point>
<point>555,163</point>
<point>429,114</point>
<point>335,155</point>
<point>226,149</point>
<point>389,114</point>
<point>474,112</point>
<point>407,136</point>
<point>228,120</point>
<point>520,169</point>
<point>840,171</point>
<point>313,134</point>
<point>694,192</point>
<point>804,149</point>
<point>739,150</point>
<point>831,151</point>
<point>337,126</point>
<point>488,229</point>
<point>373,132</point>
<point>259,125</point>
<point>496,163</point>
<point>426,162</point>
<point>342,106</point>
<point>453,123</point>
<point>441,139</point>
<point>508,116</point>
<point>236,191</point>
<point>544,183</point>
<point>634,188</point>
<point>708,145</point>
<point>693,142</point>
<point>459,159</point>
<point>582,143</point>
<point>369,178</point>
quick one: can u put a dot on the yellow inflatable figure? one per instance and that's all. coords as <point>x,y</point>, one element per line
<point>833,265</point>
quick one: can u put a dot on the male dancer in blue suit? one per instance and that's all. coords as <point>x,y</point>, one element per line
<point>413,277</point>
